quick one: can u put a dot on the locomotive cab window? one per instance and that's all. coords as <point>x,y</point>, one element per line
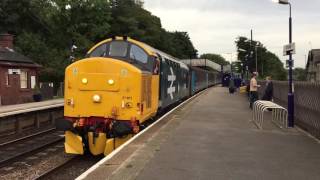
<point>126,51</point>
<point>100,51</point>
<point>118,49</point>
<point>138,54</point>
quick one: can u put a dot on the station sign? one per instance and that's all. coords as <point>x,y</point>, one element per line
<point>14,71</point>
<point>289,49</point>
<point>289,63</point>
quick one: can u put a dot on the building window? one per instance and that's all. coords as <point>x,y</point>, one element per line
<point>23,79</point>
<point>33,82</point>
<point>7,79</point>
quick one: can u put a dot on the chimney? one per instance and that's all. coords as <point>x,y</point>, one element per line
<point>6,40</point>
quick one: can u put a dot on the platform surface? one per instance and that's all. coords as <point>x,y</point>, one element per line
<point>213,138</point>
<point>26,107</point>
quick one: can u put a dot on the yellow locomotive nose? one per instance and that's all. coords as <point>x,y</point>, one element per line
<point>109,95</point>
<point>97,86</point>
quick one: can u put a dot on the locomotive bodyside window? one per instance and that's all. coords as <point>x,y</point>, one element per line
<point>136,53</point>
<point>99,51</point>
<point>118,49</point>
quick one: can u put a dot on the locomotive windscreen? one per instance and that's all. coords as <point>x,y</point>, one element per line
<point>111,49</point>
<point>125,51</point>
<point>118,49</point>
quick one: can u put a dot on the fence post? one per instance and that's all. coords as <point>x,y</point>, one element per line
<point>37,120</point>
<point>17,124</point>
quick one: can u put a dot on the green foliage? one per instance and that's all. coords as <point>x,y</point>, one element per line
<point>36,90</point>
<point>130,19</point>
<point>299,74</point>
<point>267,62</point>
<point>215,58</point>
<point>45,29</point>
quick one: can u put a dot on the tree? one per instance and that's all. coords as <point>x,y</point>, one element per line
<point>268,63</point>
<point>45,29</point>
<point>130,19</point>
<point>299,74</point>
<point>215,58</point>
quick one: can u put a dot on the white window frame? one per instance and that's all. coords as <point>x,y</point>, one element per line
<point>24,79</point>
<point>33,82</point>
<point>7,79</point>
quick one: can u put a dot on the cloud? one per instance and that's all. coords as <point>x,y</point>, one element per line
<point>213,25</point>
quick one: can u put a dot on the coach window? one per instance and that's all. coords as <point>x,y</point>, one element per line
<point>138,54</point>
<point>100,51</point>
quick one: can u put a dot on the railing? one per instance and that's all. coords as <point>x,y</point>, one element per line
<point>50,90</point>
<point>306,101</point>
<point>279,114</point>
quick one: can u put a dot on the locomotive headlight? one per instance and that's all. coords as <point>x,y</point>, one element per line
<point>84,80</point>
<point>96,98</point>
<point>110,81</point>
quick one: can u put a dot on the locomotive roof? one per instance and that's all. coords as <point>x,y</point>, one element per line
<point>150,50</point>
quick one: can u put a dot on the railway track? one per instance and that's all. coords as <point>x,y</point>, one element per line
<point>71,168</point>
<point>27,136</point>
<point>51,171</point>
<point>66,167</point>
<point>13,150</point>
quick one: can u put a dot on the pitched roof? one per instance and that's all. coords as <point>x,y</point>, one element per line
<point>9,55</point>
<point>316,55</point>
<point>313,57</point>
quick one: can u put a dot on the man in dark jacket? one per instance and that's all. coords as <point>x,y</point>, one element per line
<point>268,92</point>
<point>231,86</point>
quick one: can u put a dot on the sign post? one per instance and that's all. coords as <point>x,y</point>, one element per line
<point>289,49</point>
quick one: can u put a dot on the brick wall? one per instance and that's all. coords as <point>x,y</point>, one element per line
<point>13,93</point>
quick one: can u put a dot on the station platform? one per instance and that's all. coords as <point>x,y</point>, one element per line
<point>29,107</point>
<point>212,137</point>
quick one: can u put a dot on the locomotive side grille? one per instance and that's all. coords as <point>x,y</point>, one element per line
<point>146,90</point>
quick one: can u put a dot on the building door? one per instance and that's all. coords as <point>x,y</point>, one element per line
<point>12,90</point>
<point>15,88</point>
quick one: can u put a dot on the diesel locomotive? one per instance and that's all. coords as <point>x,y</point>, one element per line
<point>118,86</point>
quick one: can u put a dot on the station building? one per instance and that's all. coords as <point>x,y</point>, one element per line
<point>313,66</point>
<point>18,74</point>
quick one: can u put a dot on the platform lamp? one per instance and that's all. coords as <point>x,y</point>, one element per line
<point>245,63</point>
<point>290,93</point>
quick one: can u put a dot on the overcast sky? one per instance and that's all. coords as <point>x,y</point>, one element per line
<point>213,25</point>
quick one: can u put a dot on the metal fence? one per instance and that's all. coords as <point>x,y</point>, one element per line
<point>51,90</point>
<point>306,101</point>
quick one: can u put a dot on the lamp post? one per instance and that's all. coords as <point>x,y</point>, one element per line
<point>255,51</point>
<point>243,65</point>
<point>290,93</point>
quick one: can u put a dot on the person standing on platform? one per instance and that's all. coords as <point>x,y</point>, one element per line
<point>231,85</point>
<point>253,89</point>
<point>268,93</point>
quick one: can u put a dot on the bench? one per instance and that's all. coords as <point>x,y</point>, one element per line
<point>279,113</point>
